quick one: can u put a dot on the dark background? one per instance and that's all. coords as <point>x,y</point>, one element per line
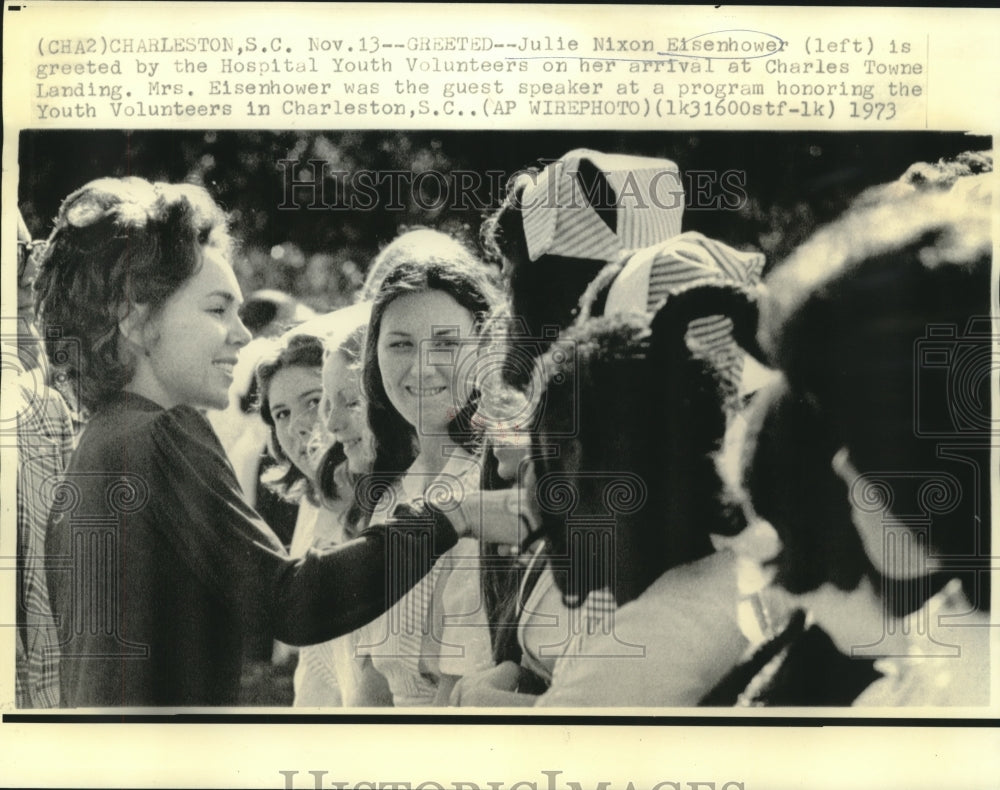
<point>793,181</point>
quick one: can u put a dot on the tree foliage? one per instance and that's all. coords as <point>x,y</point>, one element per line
<point>318,244</point>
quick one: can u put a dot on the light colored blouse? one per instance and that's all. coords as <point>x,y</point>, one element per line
<point>546,627</point>
<point>327,675</point>
<point>439,627</point>
<point>948,662</point>
<point>667,648</point>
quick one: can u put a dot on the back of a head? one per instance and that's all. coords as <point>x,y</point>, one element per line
<point>270,312</point>
<point>881,326</point>
<point>560,226</point>
<point>639,418</point>
<point>851,309</point>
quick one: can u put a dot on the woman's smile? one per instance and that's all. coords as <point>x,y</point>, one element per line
<point>426,392</point>
<point>423,341</point>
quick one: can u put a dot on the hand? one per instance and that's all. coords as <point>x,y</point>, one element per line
<point>490,516</point>
<point>510,460</point>
<point>480,690</point>
<point>503,517</point>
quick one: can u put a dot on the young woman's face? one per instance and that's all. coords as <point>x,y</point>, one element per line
<point>294,395</point>
<point>344,412</point>
<point>191,345</point>
<point>424,341</point>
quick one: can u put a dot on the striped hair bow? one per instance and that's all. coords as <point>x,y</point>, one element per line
<point>596,206</point>
<point>692,260</point>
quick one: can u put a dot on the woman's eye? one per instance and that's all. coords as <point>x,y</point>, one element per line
<point>400,344</point>
<point>313,402</point>
<point>220,311</point>
<point>354,404</point>
<point>280,416</point>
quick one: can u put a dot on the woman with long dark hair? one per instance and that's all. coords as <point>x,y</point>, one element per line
<point>419,381</point>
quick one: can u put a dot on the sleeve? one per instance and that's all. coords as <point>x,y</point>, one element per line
<point>322,595</point>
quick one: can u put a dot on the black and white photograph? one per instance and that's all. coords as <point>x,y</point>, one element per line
<point>373,388</point>
<point>497,420</point>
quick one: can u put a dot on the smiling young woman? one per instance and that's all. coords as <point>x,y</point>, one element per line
<point>190,345</point>
<point>426,318</point>
<point>165,565</point>
<point>290,387</point>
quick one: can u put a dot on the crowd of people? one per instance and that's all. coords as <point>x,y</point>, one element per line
<point>606,463</point>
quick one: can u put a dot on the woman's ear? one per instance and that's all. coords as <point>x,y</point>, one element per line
<point>133,323</point>
<point>868,527</point>
<point>843,468</point>
<point>877,527</point>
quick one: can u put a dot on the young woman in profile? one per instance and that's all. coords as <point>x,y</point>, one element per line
<point>311,401</point>
<point>868,455</point>
<point>290,388</point>
<point>653,396</point>
<point>162,563</point>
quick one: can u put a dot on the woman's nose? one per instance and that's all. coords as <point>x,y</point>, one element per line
<point>335,420</point>
<point>432,370</point>
<point>303,424</point>
<point>325,416</point>
<point>239,335</point>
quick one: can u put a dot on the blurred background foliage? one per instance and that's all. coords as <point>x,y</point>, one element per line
<point>319,249</point>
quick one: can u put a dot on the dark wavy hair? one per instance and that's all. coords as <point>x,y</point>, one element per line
<point>456,272</point>
<point>409,245</point>
<point>849,318</point>
<point>637,421</point>
<point>298,351</point>
<point>117,242</point>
